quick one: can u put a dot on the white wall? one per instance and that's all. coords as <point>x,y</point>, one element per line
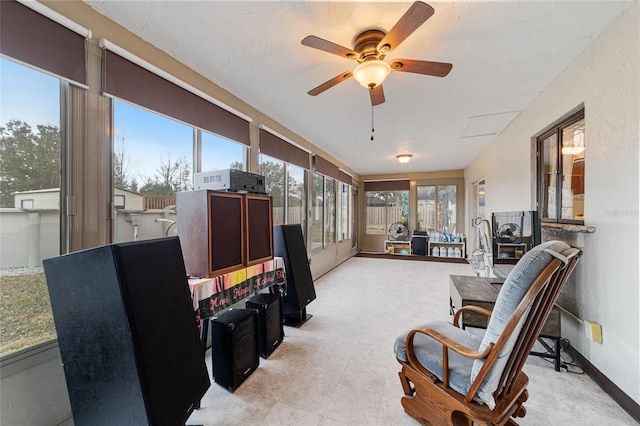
<point>28,237</point>
<point>605,79</point>
<point>324,260</point>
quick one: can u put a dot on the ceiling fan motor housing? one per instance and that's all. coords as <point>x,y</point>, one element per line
<point>366,45</point>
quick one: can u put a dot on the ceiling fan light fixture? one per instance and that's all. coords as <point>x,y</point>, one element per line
<point>371,73</point>
<point>404,158</point>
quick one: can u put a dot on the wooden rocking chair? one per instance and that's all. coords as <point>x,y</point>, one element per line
<point>453,377</point>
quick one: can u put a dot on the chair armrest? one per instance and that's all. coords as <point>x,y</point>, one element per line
<point>471,308</point>
<point>447,343</point>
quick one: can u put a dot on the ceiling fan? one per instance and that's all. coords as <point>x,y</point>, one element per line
<point>369,50</point>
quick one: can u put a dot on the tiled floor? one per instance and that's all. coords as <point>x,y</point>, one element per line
<point>339,367</point>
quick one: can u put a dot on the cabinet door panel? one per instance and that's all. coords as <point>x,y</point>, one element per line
<point>227,242</point>
<point>259,229</point>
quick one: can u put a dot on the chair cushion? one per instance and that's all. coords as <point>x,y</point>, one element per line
<point>429,353</point>
<point>513,290</point>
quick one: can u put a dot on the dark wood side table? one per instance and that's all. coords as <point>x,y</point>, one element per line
<point>480,291</point>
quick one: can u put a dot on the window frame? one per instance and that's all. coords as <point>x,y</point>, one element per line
<point>343,218</point>
<point>330,218</point>
<point>315,175</point>
<point>556,130</point>
<point>388,223</point>
<point>438,213</point>
<point>28,352</point>
<point>117,205</point>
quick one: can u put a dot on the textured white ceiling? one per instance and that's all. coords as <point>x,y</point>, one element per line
<point>503,53</point>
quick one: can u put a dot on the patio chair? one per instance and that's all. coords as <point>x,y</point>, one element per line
<point>452,376</point>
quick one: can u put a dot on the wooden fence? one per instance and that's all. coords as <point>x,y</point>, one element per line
<point>158,202</point>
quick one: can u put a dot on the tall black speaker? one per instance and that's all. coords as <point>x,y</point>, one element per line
<point>127,333</point>
<point>270,330</point>
<point>288,243</point>
<point>235,347</point>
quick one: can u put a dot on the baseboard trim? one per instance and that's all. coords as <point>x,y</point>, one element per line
<point>412,257</point>
<point>625,402</point>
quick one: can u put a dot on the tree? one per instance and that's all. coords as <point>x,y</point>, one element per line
<point>171,177</point>
<point>273,173</point>
<point>121,168</point>
<point>29,160</point>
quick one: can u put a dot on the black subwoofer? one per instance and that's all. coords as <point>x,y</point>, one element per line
<point>235,347</point>
<point>127,333</point>
<point>270,327</point>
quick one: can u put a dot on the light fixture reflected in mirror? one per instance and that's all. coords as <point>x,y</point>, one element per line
<point>404,158</point>
<point>575,145</point>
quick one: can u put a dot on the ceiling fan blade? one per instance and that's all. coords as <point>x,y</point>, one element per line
<point>329,84</point>
<point>377,95</point>
<point>417,14</point>
<point>438,69</point>
<point>327,46</point>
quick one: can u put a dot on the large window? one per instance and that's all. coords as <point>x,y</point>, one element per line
<point>30,146</point>
<point>317,214</point>
<point>330,211</point>
<point>297,196</point>
<point>385,208</point>
<point>290,200</point>
<point>437,208</point>
<point>219,153</point>
<point>324,211</point>
<point>477,197</point>
<point>153,160</point>
<point>273,171</point>
<point>561,168</point>
<point>345,211</point>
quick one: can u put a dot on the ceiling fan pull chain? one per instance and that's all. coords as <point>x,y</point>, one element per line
<point>372,129</point>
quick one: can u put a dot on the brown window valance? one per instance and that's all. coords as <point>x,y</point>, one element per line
<point>125,80</point>
<point>276,147</point>
<point>29,37</point>
<point>387,185</point>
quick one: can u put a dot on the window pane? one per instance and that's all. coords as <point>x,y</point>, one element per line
<point>427,208</point>
<point>152,161</point>
<point>397,208</point>
<point>219,153</point>
<point>317,206</point>
<point>573,171</point>
<point>549,172</point>
<point>30,145</point>
<point>297,197</point>
<point>273,172</point>
<point>345,219</point>
<point>481,199</point>
<point>376,213</point>
<point>447,208</point>
<point>330,211</point>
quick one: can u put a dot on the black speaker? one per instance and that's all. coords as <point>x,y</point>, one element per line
<point>235,347</point>
<point>288,243</point>
<point>270,330</point>
<point>127,333</point>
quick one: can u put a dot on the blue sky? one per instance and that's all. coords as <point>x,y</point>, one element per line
<point>149,139</point>
<point>22,93</point>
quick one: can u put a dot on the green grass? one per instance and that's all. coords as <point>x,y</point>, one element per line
<point>25,312</point>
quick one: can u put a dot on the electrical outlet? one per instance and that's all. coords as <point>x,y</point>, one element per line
<point>593,330</point>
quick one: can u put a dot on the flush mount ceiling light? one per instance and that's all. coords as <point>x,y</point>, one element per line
<point>371,74</point>
<point>404,158</point>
